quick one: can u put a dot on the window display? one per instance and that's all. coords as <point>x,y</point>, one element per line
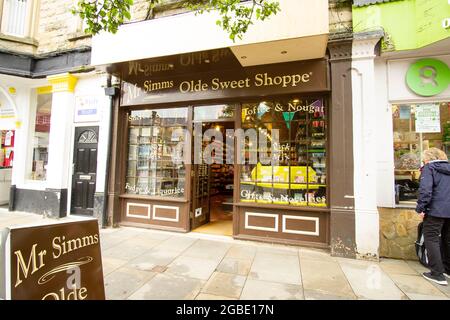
<point>300,176</point>
<point>6,148</point>
<point>153,167</point>
<point>41,136</point>
<point>417,127</point>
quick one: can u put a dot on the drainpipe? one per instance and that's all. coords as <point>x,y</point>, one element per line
<point>110,91</point>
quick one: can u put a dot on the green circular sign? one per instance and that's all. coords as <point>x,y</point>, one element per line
<point>428,77</point>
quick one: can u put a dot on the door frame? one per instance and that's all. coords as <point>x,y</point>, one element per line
<point>233,120</point>
<point>71,163</point>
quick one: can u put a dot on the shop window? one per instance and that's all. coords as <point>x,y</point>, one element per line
<point>153,142</point>
<point>40,137</point>
<point>299,178</point>
<point>417,127</point>
<point>215,112</point>
<point>6,148</point>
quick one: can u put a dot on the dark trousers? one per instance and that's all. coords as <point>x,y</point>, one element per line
<point>438,248</point>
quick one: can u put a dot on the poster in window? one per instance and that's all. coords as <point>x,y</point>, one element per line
<point>428,118</point>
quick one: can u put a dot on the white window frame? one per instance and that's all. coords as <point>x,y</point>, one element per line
<point>30,19</point>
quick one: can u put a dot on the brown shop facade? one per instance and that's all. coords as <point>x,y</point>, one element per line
<point>287,204</point>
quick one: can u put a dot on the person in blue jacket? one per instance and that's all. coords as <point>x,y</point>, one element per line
<point>433,205</point>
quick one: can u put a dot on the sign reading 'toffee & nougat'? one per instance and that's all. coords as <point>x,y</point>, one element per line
<point>55,262</point>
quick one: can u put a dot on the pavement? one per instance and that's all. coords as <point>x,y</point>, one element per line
<point>152,264</point>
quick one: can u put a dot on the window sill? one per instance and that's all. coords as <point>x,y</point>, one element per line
<point>22,40</point>
<point>78,36</point>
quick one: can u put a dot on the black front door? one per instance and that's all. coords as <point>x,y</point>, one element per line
<point>84,170</point>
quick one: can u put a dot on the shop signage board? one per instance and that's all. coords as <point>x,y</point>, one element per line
<point>428,118</point>
<point>60,261</point>
<point>292,77</point>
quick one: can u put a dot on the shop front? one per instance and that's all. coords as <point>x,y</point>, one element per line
<point>252,139</point>
<point>418,118</point>
<point>194,136</point>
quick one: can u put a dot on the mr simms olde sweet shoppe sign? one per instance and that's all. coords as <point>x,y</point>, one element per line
<point>292,77</point>
<point>55,262</point>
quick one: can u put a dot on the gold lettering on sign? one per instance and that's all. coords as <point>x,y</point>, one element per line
<point>32,263</point>
<point>63,246</point>
<point>264,79</point>
<point>153,86</point>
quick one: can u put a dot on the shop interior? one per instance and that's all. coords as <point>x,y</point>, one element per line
<point>215,181</point>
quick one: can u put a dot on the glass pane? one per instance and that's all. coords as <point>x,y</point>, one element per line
<point>17,15</point>
<point>222,111</point>
<point>299,177</point>
<point>416,128</point>
<point>155,165</point>
<point>257,113</point>
<point>41,136</point>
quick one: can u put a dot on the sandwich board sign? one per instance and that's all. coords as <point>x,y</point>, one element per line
<point>58,261</point>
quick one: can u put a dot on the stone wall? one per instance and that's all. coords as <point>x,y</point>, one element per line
<point>57,29</point>
<point>340,16</point>
<point>398,233</point>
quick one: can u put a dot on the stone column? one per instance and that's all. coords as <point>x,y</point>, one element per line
<point>59,162</point>
<point>342,225</point>
<point>364,144</point>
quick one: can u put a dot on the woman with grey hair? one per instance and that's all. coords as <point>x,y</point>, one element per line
<point>433,206</point>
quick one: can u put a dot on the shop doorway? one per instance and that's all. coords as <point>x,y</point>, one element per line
<point>213,184</point>
<point>85,170</point>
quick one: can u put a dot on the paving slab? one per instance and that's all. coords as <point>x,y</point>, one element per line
<point>277,249</point>
<point>415,296</point>
<point>154,235</point>
<point>326,277</point>
<point>417,266</point>
<point>207,249</point>
<point>444,289</point>
<point>224,284</point>
<point>321,295</point>
<point>109,240</point>
<point>143,242</point>
<point>111,264</point>
<point>176,243</point>
<point>266,290</point>
<point>276,268</point>
<point>197,268</point>
<point>393,266</point>
<point>123,282</point>
<point>154,258</point>
<point>369,281</point>
<point>414,284</point>
<point>315,254</point>
<point>235,266</point>
<point>168,287</point>
<point>125,251</point>
<point>241,252</point>
<point>206,296</point>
